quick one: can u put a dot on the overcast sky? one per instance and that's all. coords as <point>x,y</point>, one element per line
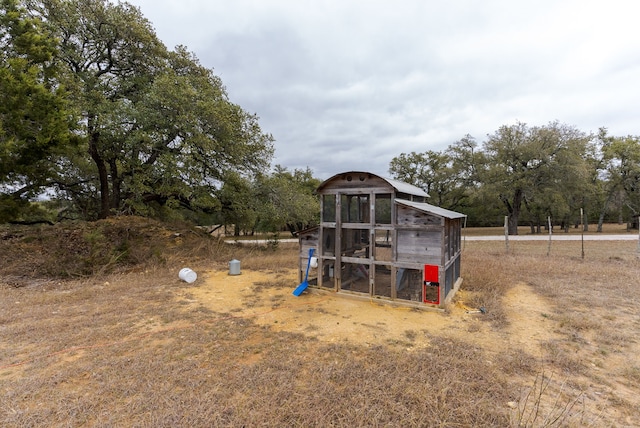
<point>349,84</point>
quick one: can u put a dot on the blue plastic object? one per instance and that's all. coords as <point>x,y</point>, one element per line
<point>304,284</point>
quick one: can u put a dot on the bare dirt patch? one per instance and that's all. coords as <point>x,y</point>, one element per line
<point>529,321</point>
<point>324,316</point>
<point>334,318</point>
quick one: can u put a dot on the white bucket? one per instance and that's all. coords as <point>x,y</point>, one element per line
<point>314,262</point>
<point>187,275</point>
<point>234,267</point>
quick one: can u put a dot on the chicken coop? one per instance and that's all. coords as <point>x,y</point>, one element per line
<point>379,238</point>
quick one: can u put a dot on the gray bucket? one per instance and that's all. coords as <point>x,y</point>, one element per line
<point>234,267</point>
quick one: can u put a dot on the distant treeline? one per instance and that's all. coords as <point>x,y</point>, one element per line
<point>531,173</point>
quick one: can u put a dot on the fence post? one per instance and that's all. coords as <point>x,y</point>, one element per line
<point>582,230</point>
<point>549,226</point>
<point>464,236</point>
<point>506,232</point>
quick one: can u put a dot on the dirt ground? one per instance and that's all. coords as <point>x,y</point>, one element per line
<point>323,315</point>
<point>333,318</point>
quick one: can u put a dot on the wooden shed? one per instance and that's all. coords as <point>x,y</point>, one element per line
<point>379,238</point>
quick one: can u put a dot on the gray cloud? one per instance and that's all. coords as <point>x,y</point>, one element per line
<point>349,85</point>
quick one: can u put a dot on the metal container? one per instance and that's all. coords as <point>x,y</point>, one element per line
<point>234,267</point>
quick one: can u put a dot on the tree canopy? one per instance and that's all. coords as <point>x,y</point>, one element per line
<point>154,128</point>
<point>532,171</point>
<point>34,123</point>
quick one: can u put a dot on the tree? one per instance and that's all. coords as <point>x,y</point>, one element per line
<point>280,200</point>
<point>34,115</point>
<point>287,199</point>
<point>470,195</point>
<point>239,205</point>
<point>538,165</point>
<point>561,186</point>
<point>189,137</point>
<point>108,55</point>
<point>435,173</point>
<point>426,170</point>
<point>621,168</point>
<point>467,160</point>
<point>593,196</point>
<point>159,128</point>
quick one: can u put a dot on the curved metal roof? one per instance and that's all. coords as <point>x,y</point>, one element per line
<point>399,186</point>
<point>432,209</point>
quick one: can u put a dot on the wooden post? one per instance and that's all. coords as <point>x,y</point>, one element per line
<point>549,226</point>
<point>337,271</point>
<point>464,235</point>
<point>582,232</point>
<point>506,232</point>
<point>638,236</point>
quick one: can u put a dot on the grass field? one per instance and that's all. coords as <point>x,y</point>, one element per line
<point>134,346</point>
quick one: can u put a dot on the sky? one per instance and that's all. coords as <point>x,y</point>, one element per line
<point>348,85</point>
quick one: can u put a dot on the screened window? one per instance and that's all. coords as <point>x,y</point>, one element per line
<point>383,209</point>
<point>329,208</point>
<point>355,208</point>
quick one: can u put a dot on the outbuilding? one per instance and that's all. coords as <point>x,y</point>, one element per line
<point>379,238</point>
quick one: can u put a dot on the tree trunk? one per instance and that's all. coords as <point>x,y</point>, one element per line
<point>603,211</point>
<point>585,222</point>
<point>514,211</point>
<point>116,184</point>
<point>585,215</point>
<point>94,139</point>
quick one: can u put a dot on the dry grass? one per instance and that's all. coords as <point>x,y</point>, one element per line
<point>593,307</point>
<point>123,355</point>
<point>123,347</point>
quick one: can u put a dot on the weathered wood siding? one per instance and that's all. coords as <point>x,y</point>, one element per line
<point>350,182</point>
<point>409,217</point>
<point>418,246</point>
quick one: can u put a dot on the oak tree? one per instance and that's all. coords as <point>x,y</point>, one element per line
<point>159,128</point>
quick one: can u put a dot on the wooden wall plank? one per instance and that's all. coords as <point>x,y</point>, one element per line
<point>411,217</point>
